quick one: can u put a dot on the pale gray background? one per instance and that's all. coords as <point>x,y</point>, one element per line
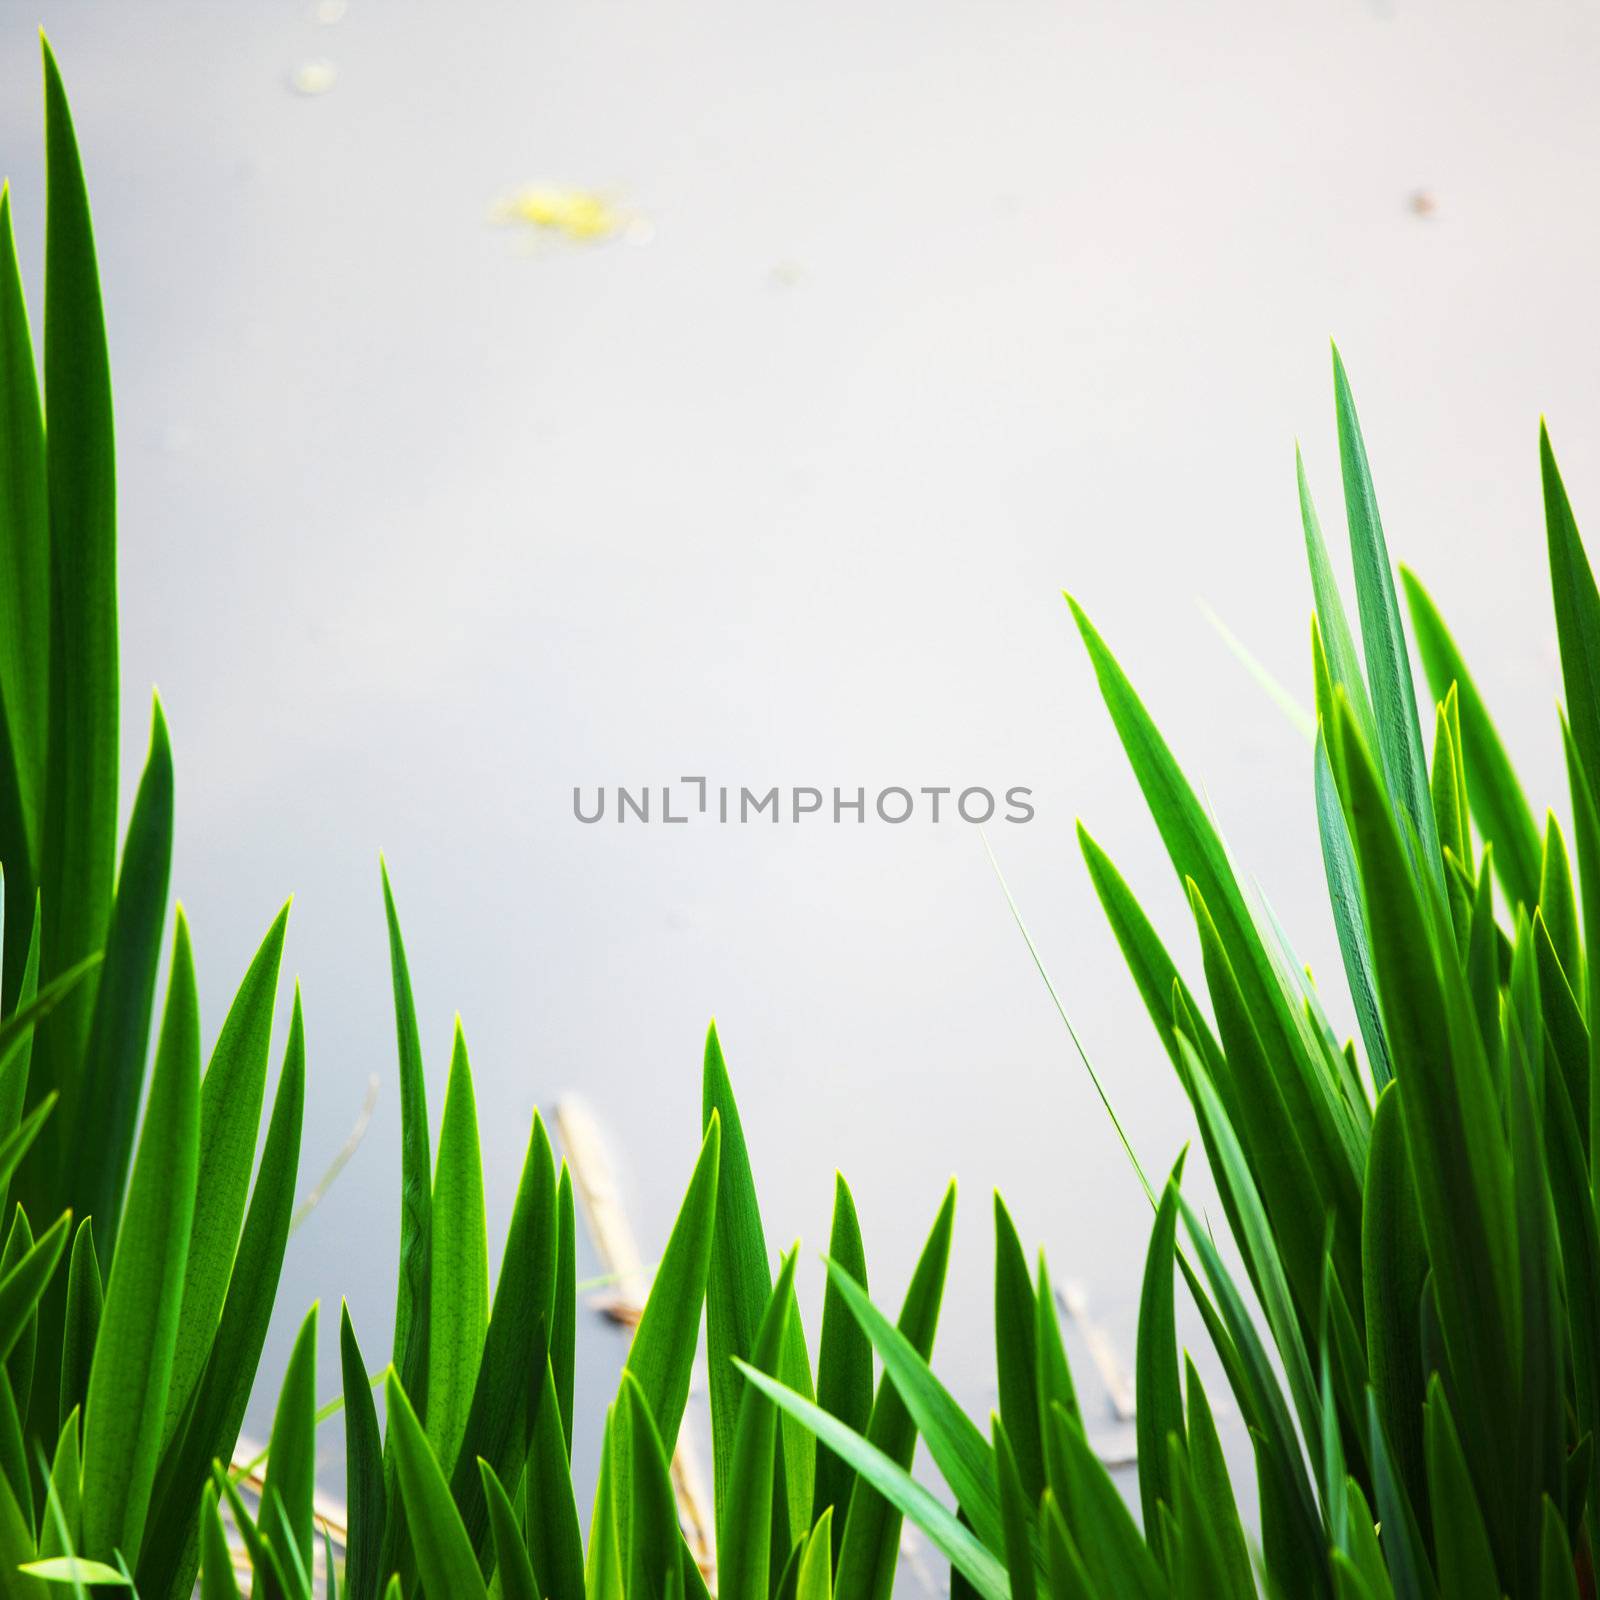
<point>947,306</point>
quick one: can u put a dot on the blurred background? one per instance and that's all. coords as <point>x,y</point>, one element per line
<point>516,397</point>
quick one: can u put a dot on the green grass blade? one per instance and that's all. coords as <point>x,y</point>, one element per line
<point>844,1365</point>
<point>231,1097</point>
<point>1577,607</point>
<point>413,1296</point>
<point>138,1331</point>
<point>1466,1561</point>
<point>745,1554</point>
<point>106,1107</point>
<point>1016,1346</point>
<point>1498,804</point>
<point>459,1276</point>
<point>1394,1268</point>
<point>870,1549</point>
<point>1350,918</point>
<point>217,1581</point>
<point>514,1579</point>
<point>1212,1485</point>
<point>1341,656</point>
<point>24,591</point>
<point>444,1553</point>
<point>1403,1544</point>
<point>1159,1408</point>
<point>554,1541</point>
<point>564,1317</point>
<point>365,1497</point>
<point>891,1482</point>
<point>1114,1552</point>
<point>501,1417</point>
<point>81,819</point>
<point>211,1428</point>
<point>663,1347</point>
<point>740,1278</point>
<point>24,1282</point>
<point>81,1327</point>
<point>1394,698</point>
<point>815,1578</point>
<point>653,1523</point>
<point>292,1464</point>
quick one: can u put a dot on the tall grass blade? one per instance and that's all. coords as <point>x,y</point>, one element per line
<point>138,1331</point>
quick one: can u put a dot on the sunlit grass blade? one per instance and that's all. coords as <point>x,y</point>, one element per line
<point>459,1276</point>
<point>445,1559</point>
<point>653,1523</point>
<point>1332,622</point>
<point>24,598</point>
<point>231,1096</point>
<point>416,1169</point>
<point>1398,740</point>
<point>1349,917</point>
<point>1499,806</point>
<point>79,844</point>
<point>138,1330</point>
<point>554,1541</point>
<point>563,1326</point>
<point>500,1421</point>
<point>740,1276</point>
<point>745,1553</point>
<point>1159,1408</point>
<point>365,1496</point>
<point>1016,1349</point>
<point>514,1579</point>
<point>844,1365</point>
<point>292,1464</point>
<point>24,1281</point>
<point>211,1428</point>
<point>106,1106</point>
<point>870,1548</point>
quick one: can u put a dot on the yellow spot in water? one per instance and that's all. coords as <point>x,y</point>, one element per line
<point>575,213</point>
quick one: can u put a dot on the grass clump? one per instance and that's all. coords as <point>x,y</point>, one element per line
<point>1413,1339</point>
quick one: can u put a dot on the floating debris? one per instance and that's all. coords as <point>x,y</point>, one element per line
<point>330,12</point>
<point>1423,204</point>
<point>314,77</point>
<point>578,214</point>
